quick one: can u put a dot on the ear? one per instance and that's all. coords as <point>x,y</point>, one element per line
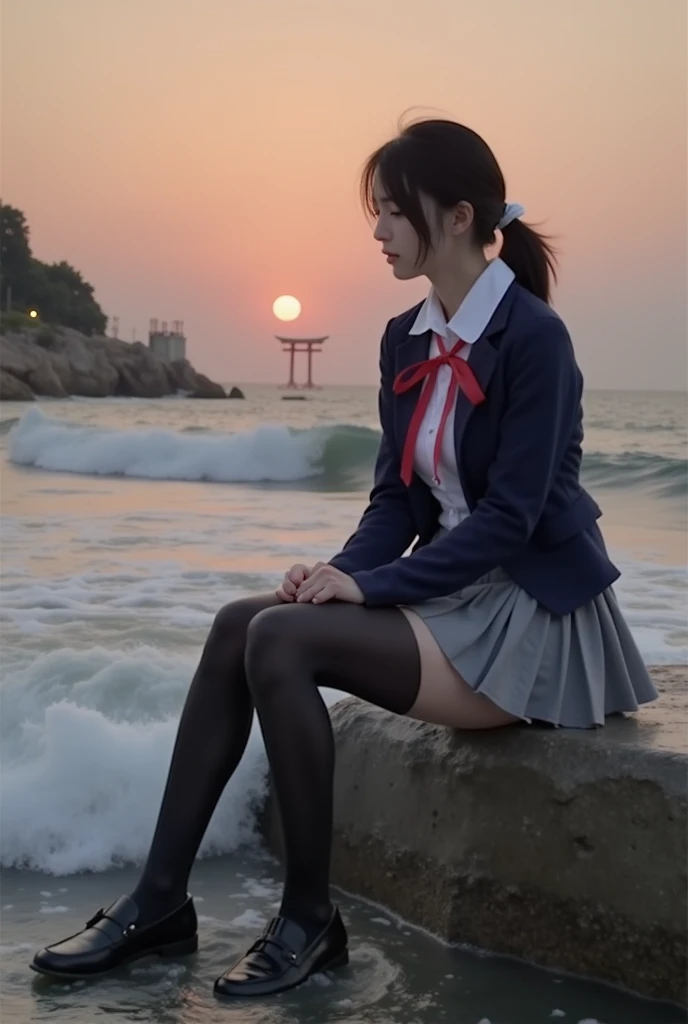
<point>462,218</point>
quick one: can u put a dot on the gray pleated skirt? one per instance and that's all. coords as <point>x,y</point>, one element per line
<point>566,670</point>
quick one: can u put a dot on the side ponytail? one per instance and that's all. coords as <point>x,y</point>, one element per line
<point>532,258</point>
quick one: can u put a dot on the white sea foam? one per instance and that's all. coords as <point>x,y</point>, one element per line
<point>268,452</point>
<point>87,739</point>
<point>87,735</point>
<point>18,947</point>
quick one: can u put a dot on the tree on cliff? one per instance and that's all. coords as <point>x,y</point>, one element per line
<point>56,290</point>
<point>15,254</point>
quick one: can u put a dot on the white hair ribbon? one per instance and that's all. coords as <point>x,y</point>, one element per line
<point>512,211</point>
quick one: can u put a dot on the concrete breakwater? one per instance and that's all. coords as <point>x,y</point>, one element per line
<point>567,848</point>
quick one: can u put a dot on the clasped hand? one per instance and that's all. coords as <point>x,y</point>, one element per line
<point>317,584</point>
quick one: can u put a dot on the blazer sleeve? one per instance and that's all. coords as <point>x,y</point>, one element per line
<point>387,527</point>
<point>543,398</point>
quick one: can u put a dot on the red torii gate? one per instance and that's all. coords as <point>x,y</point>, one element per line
<point>293,345</point>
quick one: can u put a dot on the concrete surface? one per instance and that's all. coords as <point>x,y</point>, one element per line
<point>564,847</point>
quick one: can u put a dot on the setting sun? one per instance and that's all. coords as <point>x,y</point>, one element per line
<point>286,307</point>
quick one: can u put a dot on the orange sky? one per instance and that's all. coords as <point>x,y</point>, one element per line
<point>197,158</point>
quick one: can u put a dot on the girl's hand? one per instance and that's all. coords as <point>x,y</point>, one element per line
<point>293,578</point>
<point>325,583</point>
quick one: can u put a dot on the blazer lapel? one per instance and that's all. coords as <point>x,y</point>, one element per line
<point>482,360</point>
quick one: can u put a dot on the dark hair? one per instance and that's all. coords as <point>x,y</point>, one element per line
<point>451,164</point>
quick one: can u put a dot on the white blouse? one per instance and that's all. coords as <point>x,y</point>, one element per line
<point>468,323</point>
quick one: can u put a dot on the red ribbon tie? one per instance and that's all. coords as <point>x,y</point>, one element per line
<point>463,378</point>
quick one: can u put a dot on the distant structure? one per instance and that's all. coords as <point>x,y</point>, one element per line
<point>169,344</point>
<point>294,345</point>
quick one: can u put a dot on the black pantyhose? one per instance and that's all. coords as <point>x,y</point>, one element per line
<point>271,656</point>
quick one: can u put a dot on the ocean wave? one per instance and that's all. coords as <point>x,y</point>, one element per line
<point>273,453</point>
<point>87,734</point>
<point>666,477</point>
<point>87,739</point>
<point>624,426</point>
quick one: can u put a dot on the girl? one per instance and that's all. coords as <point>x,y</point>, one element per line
<point>502,613</point>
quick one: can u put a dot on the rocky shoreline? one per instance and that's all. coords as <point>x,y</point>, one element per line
<point>61,362</point>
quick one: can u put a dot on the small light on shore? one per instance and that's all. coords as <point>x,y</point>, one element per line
<point>33,313</point>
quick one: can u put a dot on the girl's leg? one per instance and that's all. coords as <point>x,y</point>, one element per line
<point>211,739</point>
<point>444,698</point>
<point>291,650</point>
<point>374,654</point>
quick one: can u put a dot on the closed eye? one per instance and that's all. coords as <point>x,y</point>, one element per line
<point>386,203</point>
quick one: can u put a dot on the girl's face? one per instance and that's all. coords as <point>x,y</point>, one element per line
<point>400,242</point>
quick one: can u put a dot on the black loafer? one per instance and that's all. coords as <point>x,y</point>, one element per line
<point>111,939</point>
<point>281,959</point>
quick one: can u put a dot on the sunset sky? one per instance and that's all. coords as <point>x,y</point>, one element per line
<point>197,158</point>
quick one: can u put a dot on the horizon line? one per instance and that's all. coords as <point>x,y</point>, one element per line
<point>350,384</point>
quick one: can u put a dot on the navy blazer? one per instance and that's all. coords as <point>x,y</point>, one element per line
<point>518,455</point>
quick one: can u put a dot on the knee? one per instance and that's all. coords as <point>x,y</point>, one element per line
<point>271,644</point>
<point>232,621</point>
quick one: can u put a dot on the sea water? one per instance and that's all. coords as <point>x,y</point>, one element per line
<point>126,525</point>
